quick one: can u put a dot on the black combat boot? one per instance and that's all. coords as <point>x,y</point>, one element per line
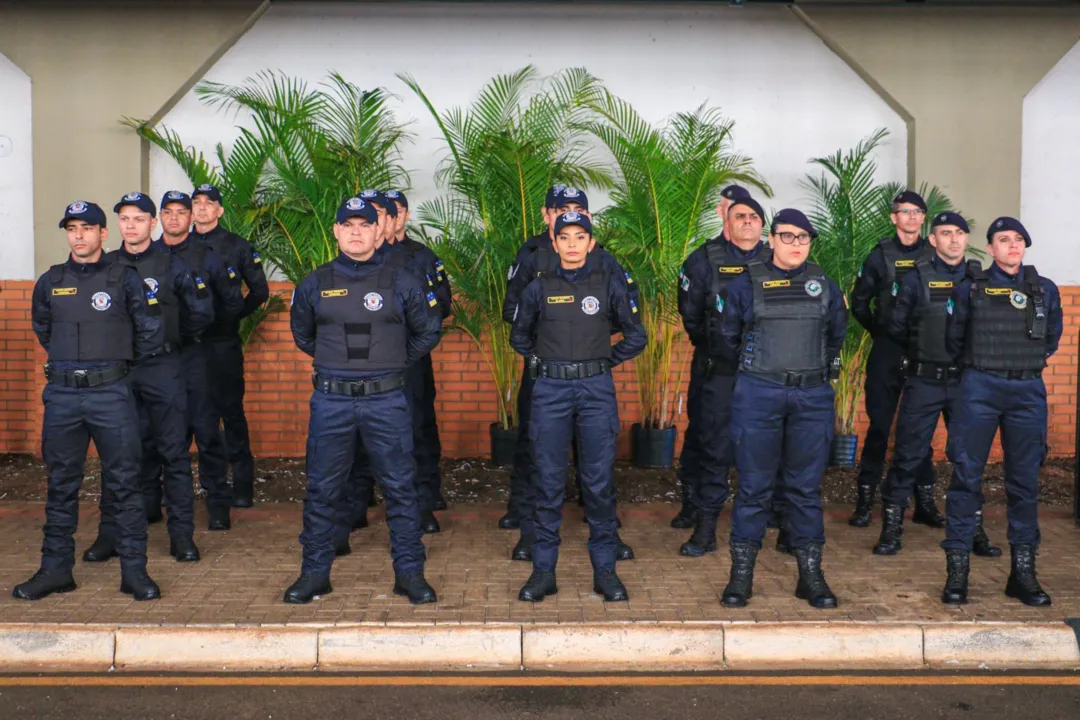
<point>416,588</point>
<point>958,564</point>
<point>892,530</point>
<point>982,545</point>
<point>429,523</point>
<point>154,515</point>
<point>622,550</point>
<point>509,521</point>
<point>523,549</point>
<point>539,585</point>
<point>45,583</point>
<point>184,550</point>
<point>783,541</point>
<point>243,495</point>
<point>361,521</point>
<point>103,549</point>
<point>864,506</point>
<point>1023,584</point>
<point>440,502</point>
<point>307,588</point>
<point>608,584</point>
<point>740,587</point>
<point>219,518</point>
<point>704,538</point>
<point>152,504</point>
<point>812,586</point>
<point>139,585</point>
<point>342,547</point>
<point>688,513</point>
<point>926,510</point>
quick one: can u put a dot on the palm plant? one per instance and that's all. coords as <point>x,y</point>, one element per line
<point>519,136</point>
<point>668,184</point>
<point>850,210</point>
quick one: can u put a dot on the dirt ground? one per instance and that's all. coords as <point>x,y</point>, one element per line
<point>473,480</point>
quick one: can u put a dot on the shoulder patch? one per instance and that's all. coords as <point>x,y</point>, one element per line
<point>255,258</point>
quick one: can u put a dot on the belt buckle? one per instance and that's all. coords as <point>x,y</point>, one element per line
<point>793,379</point>
<point>82,380</point>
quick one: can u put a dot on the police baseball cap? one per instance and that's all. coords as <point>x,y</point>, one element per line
<point>549,198</point>
<point>398,197</point>
<point>88,212</point>
<point>1004,223</point>
<point>376,197</point>
<point>176,196</point>
<point>570,195</point>
<point>750,203</point>
<point>950,218</point>
<point>909,197</point>
<point>357,207</point>
<point>139,200</point>
<point>790,216</point>
<point>209,191</point>
<point>735,192</point>
<point>573,218</point>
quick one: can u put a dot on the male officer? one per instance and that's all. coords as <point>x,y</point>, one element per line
<point>186,308</point>
<point>564,325</point>
<point>707,451</point>
<point>93,319</point>
<point>364,322</point>
<point>871,304</point>
<point>224,348</point>
<point>932,387</point>
<point>228,299</point>
<point>785,321</point>
<point>1003,324</point>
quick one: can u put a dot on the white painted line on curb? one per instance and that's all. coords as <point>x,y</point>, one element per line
<point>823,646</point>
<point>56,648</point>
<point>448,647</point>
<point>222,649</point>
<point>630,648</point>
<point>1012,646</point>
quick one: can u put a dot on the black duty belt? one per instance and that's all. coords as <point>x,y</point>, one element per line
<point>573,371</point>
<point>1013,374</point>
<point>933,371</point>
<point>794,379</point>
<point>710,366</point>
<point>358,388</point>
<point>84,378</point>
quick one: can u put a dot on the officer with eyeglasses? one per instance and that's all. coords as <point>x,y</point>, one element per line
<point>783,322</point>
<point>872,301</point>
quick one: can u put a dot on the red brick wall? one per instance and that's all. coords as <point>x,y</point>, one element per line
<point>278,386</point>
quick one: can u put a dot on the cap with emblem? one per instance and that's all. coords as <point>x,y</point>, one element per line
<point>549,198</point>
<point>139,200</point>
<point>1004,223</point>
<point>398,197</point>
<point>88,212</point>
<point>735,192</point>
<point>356,207</point>
<point>791,216</point>
<point>750,203</point>
<point>573,218</point>
<point>175,196</point>
<point>950,218</point>
<point>209,191</point>
<point>377,198</point>
<point>569,195</point>
<point>909,197</point>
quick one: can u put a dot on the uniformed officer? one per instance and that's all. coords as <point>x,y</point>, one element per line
<point>1002,325</point>
<point>224,347</point>
<point>871,304</point>
<point>785,322</point>
<point>364,322</point>
<point>564,325</point>
<point>93,319</point>
<point>185,306</point>
<point>932,387</point>
<point>203,417</point>
<point>707,452</point>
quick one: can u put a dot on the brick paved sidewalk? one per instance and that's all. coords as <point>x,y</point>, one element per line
<point>244,572</point>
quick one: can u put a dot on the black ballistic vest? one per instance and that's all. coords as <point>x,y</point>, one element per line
<point>574,321</point>
<point>1003,332</point>
<point>788,328</point>
<point>927,328</point>
<point>547,261</point>
<point>227,247</point>
<point>723,269</point>
<point>897,266</point>
<point>153,268</point>
<point>89,317</point>
<point>359,324</point>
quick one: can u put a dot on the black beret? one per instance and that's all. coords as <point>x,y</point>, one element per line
<point>950,218</point>
<point>790,216</point>
<point>911,198</point>
<point>750,203</point>
<point>1007,223</point>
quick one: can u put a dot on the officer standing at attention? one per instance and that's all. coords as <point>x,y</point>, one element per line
<point>93,319</point>
<point>1003,324</point>
<point>564,325</point>
<point>203,418</point>
<point>871,304</point>
<point>224,347</point>
<point>785,321</point>
<point>364,322</point>
<point>186,308</point>
<point>932,387</point>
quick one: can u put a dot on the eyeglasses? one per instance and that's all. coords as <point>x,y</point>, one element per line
<point>789,238</point>
<point>916,212</point>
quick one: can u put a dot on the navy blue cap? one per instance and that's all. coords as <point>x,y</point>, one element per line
<point>398,197</point>
<point>376,197</point>
<point>209,191</point>
<point>791,216</point>
<point>570,195</point>
<point>1007,223</point>
<point>573,218</point>
<point>911,198</point>
<point>88,212</point>
<point>752,204</point>
<point>176,196</point>
<point>735,192</point>
<point>950,218</point>
<point>139,200</point>
<point>356,207</point>
<point>549,198</point>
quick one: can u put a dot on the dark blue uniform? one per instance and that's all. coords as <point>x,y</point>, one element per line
<point>565,320</point>
<point>227,353</point>
<point>363,323</point>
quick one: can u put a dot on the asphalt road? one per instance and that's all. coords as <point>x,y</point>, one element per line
<point>621,698</point>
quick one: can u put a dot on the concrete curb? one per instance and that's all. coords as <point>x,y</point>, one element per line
<point>610,647</point>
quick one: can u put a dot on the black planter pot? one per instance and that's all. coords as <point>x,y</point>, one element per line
<point>844,451</point>
<point>503,443</point>
<point>652,447</point>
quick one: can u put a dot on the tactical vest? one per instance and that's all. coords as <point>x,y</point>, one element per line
<point>574,321</point>
<point>897,266</point>
<point>787,332</point>
<point>153,268</point>
<point>722,270</point>
<point>89,319</point>
<point>359,324</point>
<point>547,260</point>
<point>1007,327</point>
<point>926,331</point>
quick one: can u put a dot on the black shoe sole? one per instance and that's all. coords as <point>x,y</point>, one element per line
<point>879,550</point>
<point>954,599</point>
<point>734,602</point>
<point>623,597</point>
<point>688,550</point>
<point>431,529</point>
<point>70,587</point>
<point>821,604</point>
<point>993,552</point>
<point>412,601</point>
<point>859,522</point>
<point>152,596</point>
<point>521,557</point>
<point>683,522</point>
<point>555,591</point>
<point>87,557</point>
<point>509,524</point>
<point>215,526</point>
<point>294,600</point>
<point>1017,596</point>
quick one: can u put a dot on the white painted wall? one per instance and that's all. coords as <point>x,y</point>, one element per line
<point>16,175</point>
<point>790,96</point>
<point>1050,171</point>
